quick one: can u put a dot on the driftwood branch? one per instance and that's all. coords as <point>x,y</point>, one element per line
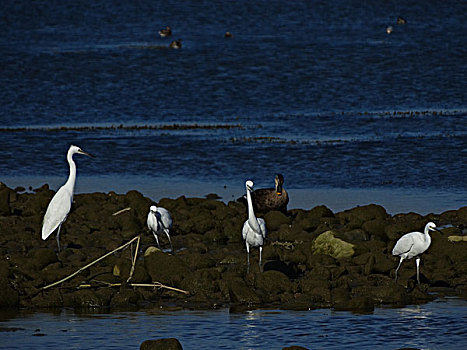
<point>121,211</point>
<point>150,285</point>
<point>92,263</point>
<point>134,261</point>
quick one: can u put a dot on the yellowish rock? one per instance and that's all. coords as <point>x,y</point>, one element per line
<point>327,243</point>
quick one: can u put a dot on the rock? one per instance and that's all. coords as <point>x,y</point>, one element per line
<point>239,292</point>
<point>161,344</point>
<point>5,201</point>
<point>327,243</point>
<point>43,257</point>
<point>310,220</point>
<point>166,268</point>
<point>356,235</point>
<point>274,219</point>
<point>365,213</point>
<point>8,296</point>
<point>125,298</point>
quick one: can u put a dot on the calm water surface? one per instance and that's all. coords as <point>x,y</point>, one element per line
<point>437,325</point>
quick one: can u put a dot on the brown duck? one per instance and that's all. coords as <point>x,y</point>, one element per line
<point>268,199</point>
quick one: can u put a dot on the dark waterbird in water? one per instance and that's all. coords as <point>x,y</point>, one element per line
<point>267,199</point>
<point>413,244</point>
<point>60,205</point>
<point>254,229</point>
<point>176,44</point>
<point>165,32</point>
<point>401,20</point>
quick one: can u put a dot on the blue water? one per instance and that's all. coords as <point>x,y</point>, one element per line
<point>437,325</point>
<point>315,90</point>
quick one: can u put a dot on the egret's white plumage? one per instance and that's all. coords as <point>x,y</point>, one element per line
<point>159,221</point>
<point>413,244</point>
<point>60,205</point>
<point>254,229</point>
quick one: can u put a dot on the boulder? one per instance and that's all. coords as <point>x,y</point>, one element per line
<point>327,243</point>
<point>161,344</point>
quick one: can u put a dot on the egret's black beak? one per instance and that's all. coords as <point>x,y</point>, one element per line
<point>438,230</point>
<point>86,154</point>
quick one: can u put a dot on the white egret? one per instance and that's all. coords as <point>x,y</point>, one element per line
<point>413,244</point>
<point>159,220</point>
<point>254,229</point>
<point>60,205</point>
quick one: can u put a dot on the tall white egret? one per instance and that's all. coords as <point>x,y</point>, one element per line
<point>159,220</point>
<point>60,205</point>
<point>254,229</point>
<point>413,244</point>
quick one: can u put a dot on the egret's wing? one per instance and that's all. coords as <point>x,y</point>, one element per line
<point>403,245</point>
<point>246,228</point>
<point>57,211</point>
<point>262,226</point>
<point>165,217</point>
<point>152,222</point>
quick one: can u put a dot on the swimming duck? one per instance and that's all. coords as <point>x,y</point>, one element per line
<point>401,20</point>
<point>165,32</point>
<point>176,44</point>
<point>268,199</point>
<point>228,35</point>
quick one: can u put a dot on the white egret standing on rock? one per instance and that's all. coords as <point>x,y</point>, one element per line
<point>160,220</point>
<point>413,244</point>
<point>60,205</point>
<point>254,229</point>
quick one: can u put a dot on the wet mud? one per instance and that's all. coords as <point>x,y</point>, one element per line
<point>312,258</point>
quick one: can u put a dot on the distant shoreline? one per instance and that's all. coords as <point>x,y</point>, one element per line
<point>337,199</point>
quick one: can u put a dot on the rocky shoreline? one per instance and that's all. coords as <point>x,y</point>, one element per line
<point>312,258</point>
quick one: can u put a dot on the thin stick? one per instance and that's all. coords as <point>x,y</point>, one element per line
<point>134,261</point>
<point>154,285</point>
<point>121,211</point>
<point>90,264</point>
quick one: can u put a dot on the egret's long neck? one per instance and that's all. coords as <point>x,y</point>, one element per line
<point>427,235</point>
<point>251,213</point>
<point>70,184</point>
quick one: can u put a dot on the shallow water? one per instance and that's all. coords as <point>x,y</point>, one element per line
<point>436,325</point>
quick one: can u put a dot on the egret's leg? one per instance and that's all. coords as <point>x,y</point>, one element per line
<point>157,239</point>
<point>248,257</point>
<point>398,266</point>
<point>170,241</point>
<point>417,262</point>
<point>58,238</point>
<point>260,266</point>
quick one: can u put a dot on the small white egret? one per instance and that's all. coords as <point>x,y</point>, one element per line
<point>159,220</point>
<point>254,229</point>
<point>413,244</point>
<point>60,205</point>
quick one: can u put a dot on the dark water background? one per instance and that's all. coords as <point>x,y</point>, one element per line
<point>315,90</point>
<point>437,325</point>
